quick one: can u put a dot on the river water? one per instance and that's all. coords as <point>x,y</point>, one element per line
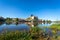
<point>13,27</point>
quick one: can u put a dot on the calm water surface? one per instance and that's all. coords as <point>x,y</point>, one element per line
<point>13,27</point>
<point>18,27</point>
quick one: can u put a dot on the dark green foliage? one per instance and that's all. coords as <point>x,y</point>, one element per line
<point>35,33</point>
<point>8,21</point>
<point>21,35</point>
<point>2,20</point>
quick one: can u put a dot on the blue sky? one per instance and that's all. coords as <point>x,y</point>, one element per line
<point>44,9</point>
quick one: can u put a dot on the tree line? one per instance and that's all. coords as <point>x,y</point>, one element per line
<point>17,20</point>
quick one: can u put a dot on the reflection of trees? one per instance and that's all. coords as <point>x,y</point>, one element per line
<point>16,21</point>
<point>40,21</point>
<point>44,21</point>
<point>8,21</point>
<point>48,21</point>
<point>35,21</point>
<point>2,20</point>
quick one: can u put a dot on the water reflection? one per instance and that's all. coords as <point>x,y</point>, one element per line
<point>13,27</point>
<point>20,26</point>
<point>44,25</point>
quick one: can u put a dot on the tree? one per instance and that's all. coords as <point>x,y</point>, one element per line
<point>16,21</point>
<point>44,21</point>
<point>48,21</point>
<point>8,20</point>
<point>2,20</point>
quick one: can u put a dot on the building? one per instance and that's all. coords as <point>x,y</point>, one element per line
<point>33,20</point>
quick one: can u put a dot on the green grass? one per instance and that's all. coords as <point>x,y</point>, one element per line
<point>56,26</point>
<point>35,33</point>
<point>20,35</point>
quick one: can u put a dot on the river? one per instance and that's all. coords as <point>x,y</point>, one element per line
<point>13,27</point>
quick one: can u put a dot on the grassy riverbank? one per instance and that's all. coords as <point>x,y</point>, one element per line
<point>56,26</point>
<point>35,33</point>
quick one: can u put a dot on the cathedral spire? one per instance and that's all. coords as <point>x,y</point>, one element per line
<point>31,14</point>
